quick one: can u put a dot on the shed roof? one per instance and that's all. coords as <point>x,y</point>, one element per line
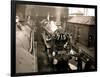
<point>88,20</point>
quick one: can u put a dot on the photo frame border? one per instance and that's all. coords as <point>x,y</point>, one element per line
<point>13,33</point>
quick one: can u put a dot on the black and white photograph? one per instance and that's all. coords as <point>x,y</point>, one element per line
<point>52,39</point>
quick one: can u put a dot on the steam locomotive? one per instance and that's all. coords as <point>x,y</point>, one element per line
<point>58,47</point>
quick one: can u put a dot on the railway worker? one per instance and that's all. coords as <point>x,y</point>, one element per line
<point>30,22</point>
<point>18,23</point>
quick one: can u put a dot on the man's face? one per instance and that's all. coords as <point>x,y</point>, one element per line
<point>17,20</point>
<point>29,17</point>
